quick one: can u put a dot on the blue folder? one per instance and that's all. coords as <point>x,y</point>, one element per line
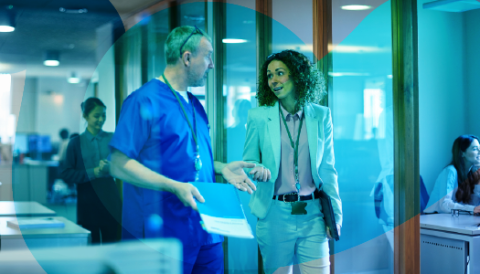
<point>221,200</point>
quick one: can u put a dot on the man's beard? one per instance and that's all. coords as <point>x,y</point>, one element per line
<point>200,82</point>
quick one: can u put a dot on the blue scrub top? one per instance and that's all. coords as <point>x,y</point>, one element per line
<point>153,130</point>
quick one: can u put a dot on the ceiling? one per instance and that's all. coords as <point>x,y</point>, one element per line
<point>40,26</point>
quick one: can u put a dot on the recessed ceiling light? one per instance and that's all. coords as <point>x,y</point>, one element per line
<point>6,28</point>
<point>52,58</point>
<point>339,74</point>
<point>7,19</point>
<point>73,79</point>
<point>197,19</point>
<point>51,63</point>
<point>356,7</point>
<point>234,41</point>
<point>77,11</point>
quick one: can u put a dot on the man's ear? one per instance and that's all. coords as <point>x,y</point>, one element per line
<point>186,58</point>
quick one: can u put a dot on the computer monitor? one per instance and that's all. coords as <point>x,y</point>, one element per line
<point>44,144</point>
<point>21,143</point>
<point>33,143</point>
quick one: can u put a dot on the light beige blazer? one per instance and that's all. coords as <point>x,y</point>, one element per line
<point>263,145</point>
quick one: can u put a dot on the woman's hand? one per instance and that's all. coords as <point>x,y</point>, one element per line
<point>261,174</point>
<point>102,169</point>
<point>97,172</point>
<point>234,174</point>
<point>104,166</point>
<point>329,235</point>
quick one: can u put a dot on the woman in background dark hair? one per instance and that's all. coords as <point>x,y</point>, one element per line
<point>468,192</point>
<point>62,150</point>
<point>99,204</point>
<point>465,156</point>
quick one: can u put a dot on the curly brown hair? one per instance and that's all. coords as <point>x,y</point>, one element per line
<point>309,82</point>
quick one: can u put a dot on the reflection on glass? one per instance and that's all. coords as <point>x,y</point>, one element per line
<point>239,91</point>
<point>193,14</point>
<point>158,29</point>
<point>294,26</point>
<point>361,102</point>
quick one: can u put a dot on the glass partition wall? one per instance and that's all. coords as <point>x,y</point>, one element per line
<point>239,91</point>
<point>361,104</point>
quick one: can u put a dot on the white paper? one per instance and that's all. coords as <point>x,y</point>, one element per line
<point>227,227</point>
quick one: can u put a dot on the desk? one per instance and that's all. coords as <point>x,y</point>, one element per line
<point>24,209</point>
<point>13,239</point>
<point>446,243</point>
<point>30,182</point>
<point>146,256</point>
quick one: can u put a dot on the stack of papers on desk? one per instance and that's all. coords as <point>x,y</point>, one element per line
<point>222,212</point>
<point>36,223</point>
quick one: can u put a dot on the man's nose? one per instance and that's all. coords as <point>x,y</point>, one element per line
<point>211,66</point>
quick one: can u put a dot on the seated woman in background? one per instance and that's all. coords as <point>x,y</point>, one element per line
<point>465,155</point>
<point>468,192</point>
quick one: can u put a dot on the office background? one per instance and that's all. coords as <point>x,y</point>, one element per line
<point>360,95</point>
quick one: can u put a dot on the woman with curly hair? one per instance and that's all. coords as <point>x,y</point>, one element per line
<point>290,139</point>
<point>454,186</point>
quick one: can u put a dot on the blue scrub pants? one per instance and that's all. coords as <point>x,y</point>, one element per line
<point>205,259</point>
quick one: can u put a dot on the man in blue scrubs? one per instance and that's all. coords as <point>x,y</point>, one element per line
<point>162,142</point>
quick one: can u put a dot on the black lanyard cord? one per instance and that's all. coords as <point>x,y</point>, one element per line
<point>294,146</point>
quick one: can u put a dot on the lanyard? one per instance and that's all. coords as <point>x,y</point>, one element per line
<point>198,162</point>
<point>294,146</point>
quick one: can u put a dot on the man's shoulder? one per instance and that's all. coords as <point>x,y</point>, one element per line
<point>149,89</point>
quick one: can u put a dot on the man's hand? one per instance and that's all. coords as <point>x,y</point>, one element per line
<point>234,174</point>
<point>260,174</point>
<point>329,235</point>
<point>186,193</point>
<point>476,210</point>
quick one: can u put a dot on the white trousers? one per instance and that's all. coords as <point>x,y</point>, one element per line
<point>287,239</point>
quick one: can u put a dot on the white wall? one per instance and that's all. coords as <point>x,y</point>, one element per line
<point>26,117</point>
<point>472,69</point>
<point>442,93</point>
<point>104,76</point>
<point>105,73</point>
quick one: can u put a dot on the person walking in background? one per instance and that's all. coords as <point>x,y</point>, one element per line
<point>290,139</point>
<point>86,165</point>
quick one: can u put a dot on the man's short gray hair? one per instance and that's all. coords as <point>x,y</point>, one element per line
<point>177,37</point>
